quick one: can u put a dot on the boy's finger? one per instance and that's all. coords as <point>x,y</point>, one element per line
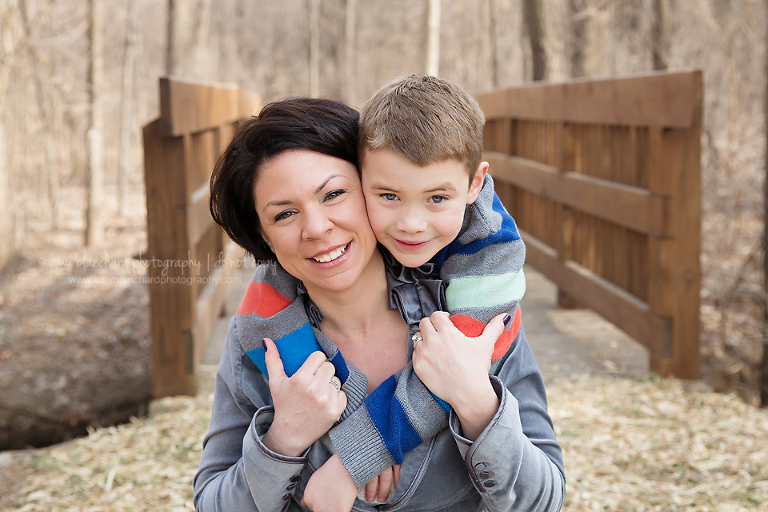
<point>370,489</point>
<point>385,484</point>
<point>272,360</point>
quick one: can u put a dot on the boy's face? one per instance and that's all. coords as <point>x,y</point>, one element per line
<point>416,211</point>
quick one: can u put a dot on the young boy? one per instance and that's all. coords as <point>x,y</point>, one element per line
<point>430,201</point>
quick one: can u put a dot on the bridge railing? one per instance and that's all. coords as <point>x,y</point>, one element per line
<point>603,179</point>
<point>191,261</point>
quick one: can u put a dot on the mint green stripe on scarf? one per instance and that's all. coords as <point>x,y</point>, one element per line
<point>485,291</point>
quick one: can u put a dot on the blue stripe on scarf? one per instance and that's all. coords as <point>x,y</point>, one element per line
<point>294,348</point>
<point>390,420</point>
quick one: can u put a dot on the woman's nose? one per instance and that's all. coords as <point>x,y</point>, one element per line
<point>316,225</point>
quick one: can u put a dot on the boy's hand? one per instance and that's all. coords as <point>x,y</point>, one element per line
<point>330,488</point>
<point>378,488</point>
<point>455,368</point>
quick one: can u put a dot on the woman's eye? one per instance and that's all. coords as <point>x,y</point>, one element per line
<point>389,197</point>
<point>283,215</point>
<point>334,194</point>
<point>437,199</point>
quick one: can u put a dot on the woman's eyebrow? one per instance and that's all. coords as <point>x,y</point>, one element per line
<point>329,178</point>
<point>317,191</point>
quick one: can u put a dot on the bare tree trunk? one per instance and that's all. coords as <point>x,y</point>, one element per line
<point>578,16</point>
<point>660,34</point>
<point>433,37</point>
<point>94,229</point>
<point>170,37</point>
<point>763,370</point>
<point>493,15</point>
<point>534,22</point>
<point>314,48</point>
<point>351,18</point>
<point>126,105</point>
<point>177,36</point>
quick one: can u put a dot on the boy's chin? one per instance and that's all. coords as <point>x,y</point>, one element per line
<point>410,260</point>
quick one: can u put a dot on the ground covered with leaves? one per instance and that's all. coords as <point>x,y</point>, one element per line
<point>630,445</point>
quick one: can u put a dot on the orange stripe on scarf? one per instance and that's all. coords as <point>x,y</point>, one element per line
<point>473,328</point>
<point>262,299</point>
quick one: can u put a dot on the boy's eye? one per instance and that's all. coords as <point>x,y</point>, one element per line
<point>389,197</point>
<point>437,199</point>
<point>333,194</point>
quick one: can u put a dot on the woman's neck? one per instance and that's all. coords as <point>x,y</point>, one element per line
<point>357,307</point>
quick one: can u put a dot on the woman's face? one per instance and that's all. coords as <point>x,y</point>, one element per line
<point>312,214</point>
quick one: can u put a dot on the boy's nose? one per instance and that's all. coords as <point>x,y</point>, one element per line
<point>411,221</point>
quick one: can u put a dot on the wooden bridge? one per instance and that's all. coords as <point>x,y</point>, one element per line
<point>602,177</point>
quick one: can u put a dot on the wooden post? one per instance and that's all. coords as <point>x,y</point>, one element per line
<point>171,301</point>
<point>674,272</point>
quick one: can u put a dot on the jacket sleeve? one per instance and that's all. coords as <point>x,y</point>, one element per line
<point>396,417</point>
<point>483,269</point>
<point>237,472</point>
<point>516,463</point>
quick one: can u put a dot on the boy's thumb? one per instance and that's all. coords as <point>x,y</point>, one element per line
<point>272,360</point>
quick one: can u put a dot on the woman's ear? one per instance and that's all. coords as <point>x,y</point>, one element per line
<point>266,239</point>
<point>477,182</point>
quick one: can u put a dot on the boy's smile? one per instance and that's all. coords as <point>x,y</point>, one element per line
<point>415,211</point>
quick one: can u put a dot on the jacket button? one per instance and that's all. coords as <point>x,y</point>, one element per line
<point>485,474</point>
<point>291,486</point>
<point>295,478</point>
<point>489,483</point>
<point>286,497</point>
<point>480,466</point>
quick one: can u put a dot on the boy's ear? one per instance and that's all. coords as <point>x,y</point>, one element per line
<point>477,182</point>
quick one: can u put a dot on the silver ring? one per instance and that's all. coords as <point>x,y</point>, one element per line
<point>335,382</point>
<point>416,338</point>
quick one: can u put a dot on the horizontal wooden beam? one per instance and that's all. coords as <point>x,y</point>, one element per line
<point>667,99</point>
<point>198,215</point>
<point>631,207</point>
<point>190,107</point>
<point>619,307</point>
<point>212,300</point>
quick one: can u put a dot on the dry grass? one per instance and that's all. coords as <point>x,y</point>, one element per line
<point>650,445</point>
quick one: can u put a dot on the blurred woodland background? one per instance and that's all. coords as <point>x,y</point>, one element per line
<point>79,79</point>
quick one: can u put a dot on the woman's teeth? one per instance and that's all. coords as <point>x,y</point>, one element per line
<point>330,256</point>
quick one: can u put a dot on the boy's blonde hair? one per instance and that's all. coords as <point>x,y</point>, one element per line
<point>426,120</point>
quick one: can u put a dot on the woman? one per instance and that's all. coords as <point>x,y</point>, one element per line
<point>287,189</point>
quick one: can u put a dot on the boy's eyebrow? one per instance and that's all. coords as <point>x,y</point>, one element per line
<point>443,187</point>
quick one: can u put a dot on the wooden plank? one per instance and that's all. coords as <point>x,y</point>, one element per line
<point>630,314</point>
<point>213,298</point>
<point>628,206</point>
<point>198,214</point>
<point>670,99</point>
<point>189,107</point>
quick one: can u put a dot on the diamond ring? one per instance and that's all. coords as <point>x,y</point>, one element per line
<point>416,338</point>
<point>335,382</point>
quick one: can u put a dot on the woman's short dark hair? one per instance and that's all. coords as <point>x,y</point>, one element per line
<point>326,126</point>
